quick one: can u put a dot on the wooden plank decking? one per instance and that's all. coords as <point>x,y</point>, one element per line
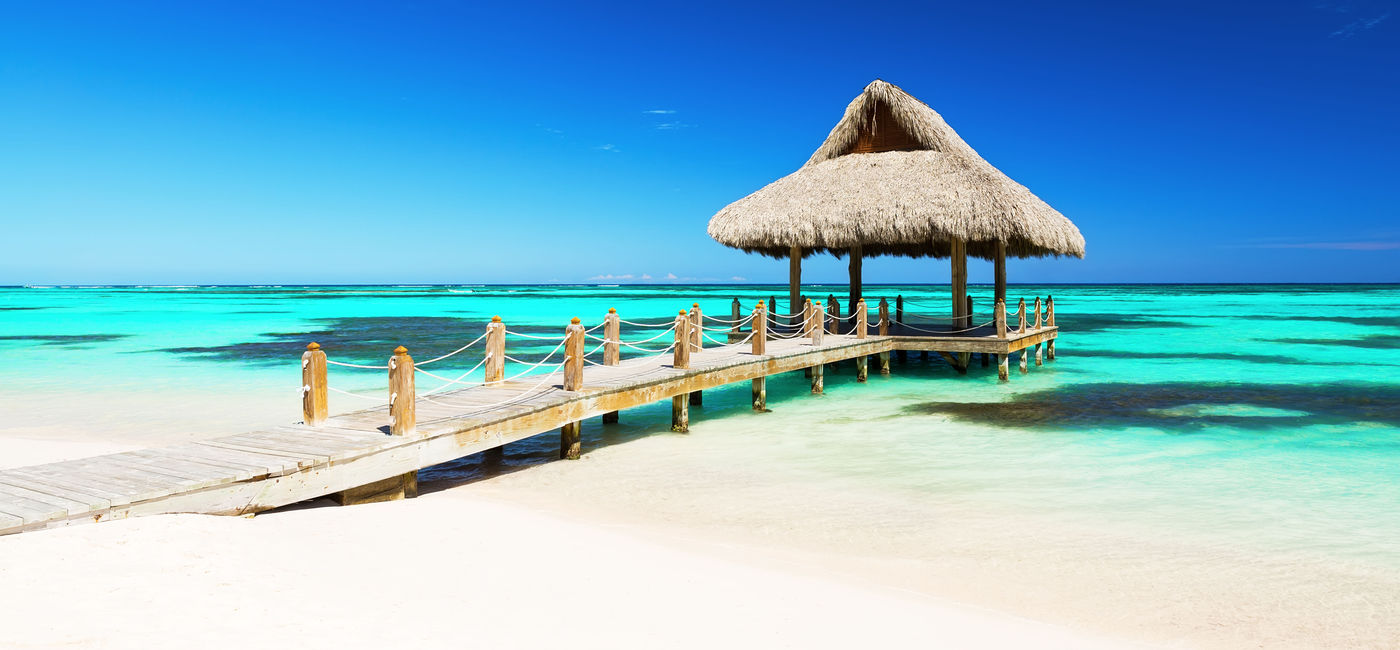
<point>265,469</point>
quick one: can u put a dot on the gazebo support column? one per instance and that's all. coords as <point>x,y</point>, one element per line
<point>1000,268</point>
<point>794,282</point>
<point>857,258</point>
<point>959,281</point>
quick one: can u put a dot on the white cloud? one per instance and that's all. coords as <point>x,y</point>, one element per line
<point>671,276</point>
<point>1357,26</point>
<point>659,111</point>
<point>608,277</point>
<point>738,278</point>
<point>644,277</point>
<point>609,147</point>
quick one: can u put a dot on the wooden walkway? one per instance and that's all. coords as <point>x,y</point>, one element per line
<point>353,454</point>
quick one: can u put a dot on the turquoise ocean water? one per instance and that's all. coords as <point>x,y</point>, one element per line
<point>1254,418</point>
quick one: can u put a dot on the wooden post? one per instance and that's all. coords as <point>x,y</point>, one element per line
<point>903,355</point>
<point>959,281</point>
<point>697,342</point>
<point>884,331</point>
<point>1037,355</point>
<point>680,404</point>
<point>970,321</point>
<point>1050,316</point>
<point>1000,272</point>
<point>794,281</point>
<point>612,349</point>
<point>817,326</point>
<point>734,309</point>
<point>1024,369</point>
<point>1000,318</point>
<point>760,340</point>
<point>1021,316</point>
<point>1003,373</point>
<point>571,434</point>
<point>857,254</point>
<point>834,310</point>
<point>862,324</point>
<point>495,351</point>
<point>817,332</point>
<point>806,330</point>
<point>313,385</point>
<point>1037,312</point>
<point>402,417</point>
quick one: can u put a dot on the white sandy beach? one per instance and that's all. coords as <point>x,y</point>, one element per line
<point>449,568</point>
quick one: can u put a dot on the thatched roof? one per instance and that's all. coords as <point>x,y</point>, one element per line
<point>895,178</point>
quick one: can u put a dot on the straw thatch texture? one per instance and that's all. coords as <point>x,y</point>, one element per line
<point>918,187</point>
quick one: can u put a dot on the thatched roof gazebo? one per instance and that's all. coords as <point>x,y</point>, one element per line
<point>893,178</point>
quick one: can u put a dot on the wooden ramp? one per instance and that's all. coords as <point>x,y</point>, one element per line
<point>265,469</point>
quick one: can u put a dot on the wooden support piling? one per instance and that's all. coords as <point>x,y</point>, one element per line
<point>1003,372</point>
<point>612,350</point>
<point>495,363</point>
<point>862,324</point>
<point>680,404</point>
<point>760,346</point>
<point>402,421</point>
<point>570,435</point>
<point>697,343</point>
<point>1024,368</point>
<point>902,355</point>
<point>1038,362</point>
<point>314,404</point>
<point>884,331</point>
<point>818,385</point>
<point>734,309</point>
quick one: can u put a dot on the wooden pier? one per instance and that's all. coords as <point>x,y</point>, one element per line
<point>374,454</point>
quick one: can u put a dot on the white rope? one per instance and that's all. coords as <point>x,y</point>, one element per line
<point>342,392</point>
<point>638,347</point>
<point>424,363</point>
<point>741,321</point>
<point>546,379</point>
<point>458,380</point>
<point>976,327</point>
<point>531,336</point>
<point>671,324</point>
<point>712,339</point>
<point>356,365</point>
<point>605,340</point>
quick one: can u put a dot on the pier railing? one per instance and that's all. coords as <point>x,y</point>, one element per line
<point>689,331</point>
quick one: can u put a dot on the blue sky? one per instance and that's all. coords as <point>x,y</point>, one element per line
<point>260,142</point>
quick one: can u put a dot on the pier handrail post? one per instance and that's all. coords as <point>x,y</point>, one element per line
<point>1037,312</point>
<point>807,317</point>
<point>1021,315</point>
<point>760,339</point>
<point>1050,311</point>
<point>313,385</point>
<point>403,419</point>
<point>495,351</point>
<point>612,338</point>
<point>571,434</point>
<point>612,349</point>
<point>968,322</point>
<point>681,358</point>
<point>862,319</point>
<point>1001,319</point>
<point>760,329</point>
<point>833,309</point>
<point>573,355</point>
<point>697,342</point>
<point>818,370</point>
<point>899,320</point>
<point>818,329</point>
<point>884,331</point>
<point>734,309</point>
<point>697,327</point>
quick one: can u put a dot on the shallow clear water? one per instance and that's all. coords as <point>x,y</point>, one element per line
<point>1259,419</point>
